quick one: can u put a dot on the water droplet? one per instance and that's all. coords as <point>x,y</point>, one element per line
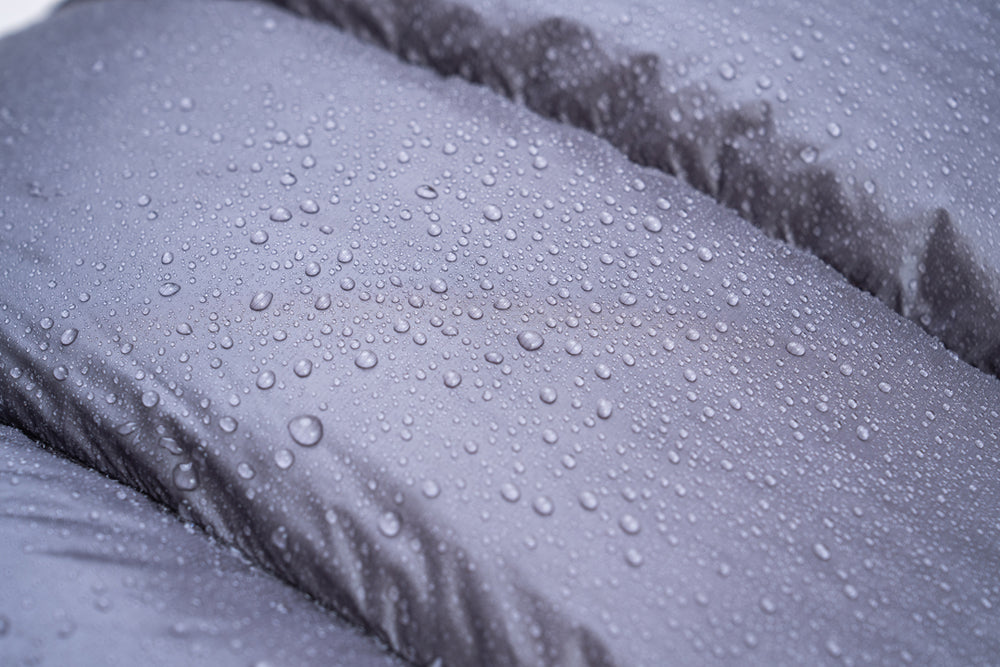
<point>258,237</point>
<point>452,379</point>
<point>705,254</point>
<point>795,348</point>
<point>543,506</point>
<point>228,424</point>
<point>309,206</point>
<point>366,359</point>
<point>284,459</point>
<point>389,524</point>
<point>727,71</point>
<point>652,224</point>
<point>265,380</point>
<point>574,347</point>
<point>431,489</point>
<point>68,336</point>
<point>245,471</point>
<point>261,300</point>
<point>302,368</point>
<point>439,286</point>
<point>604,408</point>
<point>169,289</point>
<point>323,302</point>
<point>426,192</point>
<point>530,340</point>
<point>633,558</point>
<point>185,476</point>
<point>510,492</point>
<point>588,501</point>
<point>629,524</point>
<point>306,430</point>
<point>863,433</point>
<point>281,214</point>
<point>492,213</point>
<point>60,373</point>
<point>548,395</point>
<point>821,551</point>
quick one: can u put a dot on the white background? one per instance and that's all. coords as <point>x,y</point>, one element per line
<point>16,14</point>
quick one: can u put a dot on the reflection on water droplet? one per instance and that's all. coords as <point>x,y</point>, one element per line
<point>306,430</point>
<point>530,340</point>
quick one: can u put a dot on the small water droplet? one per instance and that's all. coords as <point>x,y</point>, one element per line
<point>245,471</point>
<point>258,237</point>
<point>548,395</point>
<point>821,551</point>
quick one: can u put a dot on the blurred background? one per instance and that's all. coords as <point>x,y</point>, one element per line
<point>17,14</point>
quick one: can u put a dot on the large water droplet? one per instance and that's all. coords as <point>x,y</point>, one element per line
<point>169,289</point>
<point>261,300</point>
<point>306,430</point>
<point>530,340</point>
<point>265,380</point>
<point>389,524</point>
<point>366,359</point>
<point>185,476</point>
<point>68,336</point>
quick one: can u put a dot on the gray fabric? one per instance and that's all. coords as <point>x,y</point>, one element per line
<point>864,132</point>
<point>96,574</point>
<point>469,376</point>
